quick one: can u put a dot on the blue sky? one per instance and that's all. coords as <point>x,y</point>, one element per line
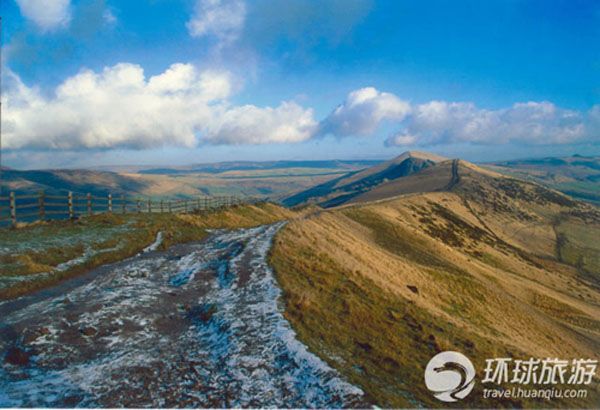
<point>96,82</point>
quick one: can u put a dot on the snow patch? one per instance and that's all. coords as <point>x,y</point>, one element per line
<point>154,246</point>
<point>229,345</point>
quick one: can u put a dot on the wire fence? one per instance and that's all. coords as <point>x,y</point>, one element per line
<point>16,208</point>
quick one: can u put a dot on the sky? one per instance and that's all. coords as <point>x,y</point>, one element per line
<point>170,82</point>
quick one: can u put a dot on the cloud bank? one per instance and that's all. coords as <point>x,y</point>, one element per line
<point>46,14</point>
<point>120,107</point>
<point>184,106</point>
<point>439,122</point>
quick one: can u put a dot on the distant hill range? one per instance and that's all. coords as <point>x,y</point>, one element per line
<point>326,183</point>
<point>578,176</point>
<point>77,180</point>
<point>216,168</point>
<point>274,179</point>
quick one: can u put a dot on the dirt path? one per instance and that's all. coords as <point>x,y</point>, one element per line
<point>455,178</point>
<point>197,326</point>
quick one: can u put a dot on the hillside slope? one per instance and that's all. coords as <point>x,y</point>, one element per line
<point>341,190</point>
<point>489,266</point>
<point>60,181</point>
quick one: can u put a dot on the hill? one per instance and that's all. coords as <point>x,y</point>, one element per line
<point>344,189</point>
<point>578,176</point>
<point>468,260</point>
<point>60,181</point>
<point>258,179</point>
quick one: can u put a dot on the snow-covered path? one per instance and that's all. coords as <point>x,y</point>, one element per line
<point>197,326</point>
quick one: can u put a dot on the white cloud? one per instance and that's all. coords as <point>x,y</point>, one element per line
<point>120,107</point>
<point>438,122</point>
<point>252,125</point>
<point>183,106</point>
<point>109,17</point>
<point>223,19</point>
<point>46,14</point>
<point>363,111</point>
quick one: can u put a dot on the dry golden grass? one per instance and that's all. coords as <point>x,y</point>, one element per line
<point>378,288</point>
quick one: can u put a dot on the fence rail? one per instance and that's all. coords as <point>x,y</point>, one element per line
<point>30,208</point>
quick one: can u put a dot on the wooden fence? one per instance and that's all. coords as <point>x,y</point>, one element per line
<point>16,208</point>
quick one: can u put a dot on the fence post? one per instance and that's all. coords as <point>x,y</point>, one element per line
<point>13,209</point>
<point>89,204</point>
<point>70,202</point>
<point>123,204</point>
<point>41,206</point>
<point>161,206</point>
<point>149,206</point>
<point>110,203</point>
<point>138,205</point>
<point>170,207</point>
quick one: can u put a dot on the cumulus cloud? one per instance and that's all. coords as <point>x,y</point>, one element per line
<point>120,107</point>
<point>223,19</point>
<point>438,122</point>
<point>184,106</point>
<point>46,14</point>
<point>362,112</point>
<point>253,125</point>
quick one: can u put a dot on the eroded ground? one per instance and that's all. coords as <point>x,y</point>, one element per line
<point>198,325</point>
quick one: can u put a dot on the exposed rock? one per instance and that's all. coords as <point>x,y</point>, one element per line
<point>17,356</point>
<point>88,331</point>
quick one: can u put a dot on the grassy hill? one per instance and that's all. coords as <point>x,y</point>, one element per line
<point>344,189</point>
<point>577,176</point>
<point>464,259</point>
<point>60,181</point>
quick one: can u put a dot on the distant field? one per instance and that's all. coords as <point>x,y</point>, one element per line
<point>271,183</point>
<point>577,176</point>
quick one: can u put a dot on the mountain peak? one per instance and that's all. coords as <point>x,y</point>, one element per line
<point>419,155</point>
